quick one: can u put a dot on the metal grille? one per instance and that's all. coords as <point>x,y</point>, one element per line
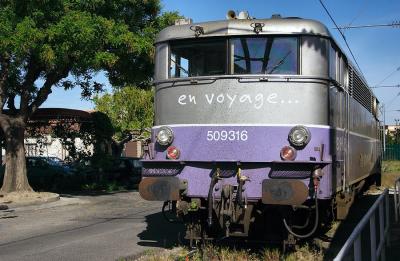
<point>226,173</point>
<point>351,81</point>
<point>294,172</point>
<point>161,171</point>
<point>359,90</point>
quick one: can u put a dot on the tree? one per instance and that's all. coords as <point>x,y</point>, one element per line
<point>47,44</point>
<point>129,108</point>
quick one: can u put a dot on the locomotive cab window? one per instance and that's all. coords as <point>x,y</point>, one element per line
<point>265,55</point>
<point>332,63</point>
<point>247,55</point>
<point>198,58</point>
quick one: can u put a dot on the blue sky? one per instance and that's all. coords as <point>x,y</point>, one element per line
<point>377,50</point>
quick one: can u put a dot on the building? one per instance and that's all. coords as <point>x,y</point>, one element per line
<point>46,143</point>
<point>391,130</point>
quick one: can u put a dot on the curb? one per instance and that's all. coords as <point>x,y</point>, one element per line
<point>54,198</point>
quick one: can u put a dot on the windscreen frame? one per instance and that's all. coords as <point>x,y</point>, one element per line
<point>188,41</point>
<point>229,59</point>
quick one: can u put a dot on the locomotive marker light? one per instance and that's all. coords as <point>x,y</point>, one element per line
<point>288,153</point>
<point>299,136</point>
<point>173,153</point>
<point>165,136</point>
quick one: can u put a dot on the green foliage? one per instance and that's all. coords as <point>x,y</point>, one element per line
<point>47,44</point>
<point>50,40</point>
<point>394,138</point>
<point>128,108</point>
<point>391,166</point>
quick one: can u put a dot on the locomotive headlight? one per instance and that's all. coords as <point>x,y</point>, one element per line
<point>299,136</point>
<point>165,136</point>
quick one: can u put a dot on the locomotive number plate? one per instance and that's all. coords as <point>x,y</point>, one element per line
<point>227,135</point>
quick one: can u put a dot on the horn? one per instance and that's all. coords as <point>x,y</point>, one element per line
<point>230,15</point>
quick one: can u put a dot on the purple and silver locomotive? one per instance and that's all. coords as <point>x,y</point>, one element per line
<point>258,118</point>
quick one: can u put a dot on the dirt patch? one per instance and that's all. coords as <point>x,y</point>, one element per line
<point>216,253</point>
<point>27,198</point>
<point>390,172</point>
<point>388,178</point>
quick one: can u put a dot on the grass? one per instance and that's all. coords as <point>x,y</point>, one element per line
<point>390,172</point>
<point>391,166</point>
<point>216,253</point>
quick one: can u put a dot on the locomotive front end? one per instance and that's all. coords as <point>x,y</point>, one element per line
<point>241,123</point>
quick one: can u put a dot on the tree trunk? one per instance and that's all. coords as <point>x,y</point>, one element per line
<point>15,176</point>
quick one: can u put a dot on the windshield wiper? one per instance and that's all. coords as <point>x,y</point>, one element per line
<point>279,63</point>
<point>180,67</point>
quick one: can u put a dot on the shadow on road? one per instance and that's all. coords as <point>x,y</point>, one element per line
<point>72,194</point>
<point>357,211</point>
<point>161,233</point>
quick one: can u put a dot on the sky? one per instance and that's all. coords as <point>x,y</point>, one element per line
<point>377,50</point>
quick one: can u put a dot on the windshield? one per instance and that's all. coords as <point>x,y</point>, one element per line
<point>199,58</point>
<point>272,55</point>
<point>248,55</point>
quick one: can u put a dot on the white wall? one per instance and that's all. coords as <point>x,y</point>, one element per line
<point>52,147</point>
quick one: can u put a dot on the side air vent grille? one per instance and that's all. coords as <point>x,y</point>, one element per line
<point>359,90</point>
<point>351,81</point>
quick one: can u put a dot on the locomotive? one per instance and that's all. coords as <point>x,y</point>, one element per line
<point>258,118</point>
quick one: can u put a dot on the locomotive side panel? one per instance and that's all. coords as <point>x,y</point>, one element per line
<point>338,141</point>
<point>363,143</point>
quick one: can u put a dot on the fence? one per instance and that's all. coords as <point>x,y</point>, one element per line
<point>396,197</point>
<point>392,152</point>
<point>355,238</point>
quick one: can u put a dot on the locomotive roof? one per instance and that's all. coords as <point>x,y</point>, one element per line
<point>291,25</point>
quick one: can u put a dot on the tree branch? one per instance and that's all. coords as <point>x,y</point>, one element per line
<point>52,79</point>
<point>11,103</point>
<point>32,74</point>
<point>4,63</point>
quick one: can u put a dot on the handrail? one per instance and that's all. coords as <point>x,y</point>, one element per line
<point>396,197</point>
<point>355,237</point>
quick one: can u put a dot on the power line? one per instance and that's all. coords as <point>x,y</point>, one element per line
<point>388,76</point>
<point>341,33</point>
<point>386,86</point>
<point>391,101</point>
<point>361,10</point>
<point>345,27</point>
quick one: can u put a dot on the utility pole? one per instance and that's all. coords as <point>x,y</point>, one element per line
<point>384,128</point>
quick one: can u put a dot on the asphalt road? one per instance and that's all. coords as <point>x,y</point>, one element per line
<point>101,227</point>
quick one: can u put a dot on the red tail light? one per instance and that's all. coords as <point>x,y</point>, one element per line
<point>288,153</point>
<point>173,152</point>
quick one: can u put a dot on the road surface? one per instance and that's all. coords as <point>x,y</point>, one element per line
<point>101,227</point>
<point>109,226</point>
